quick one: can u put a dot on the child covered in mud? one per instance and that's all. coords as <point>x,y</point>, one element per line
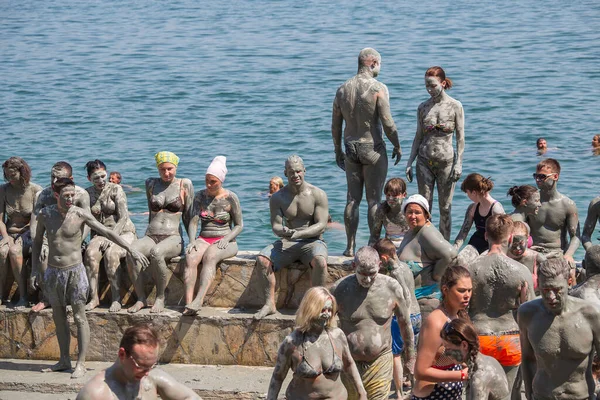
<point>389,213</point>
<point>518,251</point>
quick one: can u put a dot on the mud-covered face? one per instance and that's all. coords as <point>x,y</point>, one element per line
<point>326,312</point>
<point>545,179</point>
<point>12,174</point>
<point>58,173</point>
<point>519,244</point>
<point>67,197</point>
<point>456,352</point>
<point>366,275</point>
<point>213,184</point>
<point>98,178</point>
<point>434,86</point>
<point>376,67</point>
<point>533,204</point>
<point>415,215</point>
<point>167,171</point>
<point>294,172</point>
<point>394,201</point>
<point>554,292</point>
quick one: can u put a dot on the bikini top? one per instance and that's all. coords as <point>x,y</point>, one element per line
<point>158,203</point>
<point>221,218</point>
<point>447,127</point>
<point>305,370</point>
<point>104,204</point>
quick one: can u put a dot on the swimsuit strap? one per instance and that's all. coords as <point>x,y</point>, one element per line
<point>304,352</point>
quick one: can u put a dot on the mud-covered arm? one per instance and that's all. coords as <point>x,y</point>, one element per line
<point>437,248</point>
<point>350,366</point>
<point>337,122</point>
<point>416,141</point>
<point>377,225</point>
<point>277,225</point>
<point>188,207</point>
<point>122,210</point>
<point>83,201</point>
<point>38,241</point>
<point>572,226</point>
<point>3,230</point>
<point>401,310</point>
<point>460,141</point>
<point>194,218</point>
<point>528,361</point>
<point>387,121</point>
<point>590,223</point>
<point>168,388</point>
<point>466,226</point>
<point>236,218</point>
<point>320,216</point>
<point>282,366</point>
<point>37,207</point>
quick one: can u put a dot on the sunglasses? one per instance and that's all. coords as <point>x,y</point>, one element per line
<point>541,177</point>
<point>450,330</point>
<point>138,366</point>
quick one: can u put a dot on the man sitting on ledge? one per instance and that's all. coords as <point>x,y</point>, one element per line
<point>299,214</point>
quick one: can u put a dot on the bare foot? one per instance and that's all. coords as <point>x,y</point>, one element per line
<point>115,307</point>
<point>192,308</point>
<point>39,306</point>
<point>22,303</point>
<point>158,307</point>
<point>59,366</point>
<point>267,309</point>
<point>92,304</point>
<point>137,306</point>
<point>349,252</point>
<point>79,371</point>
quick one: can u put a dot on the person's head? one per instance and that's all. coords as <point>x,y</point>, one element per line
<point>215,174</point>
<point>547,173</point>
<point>138,351</point>
<point>64,192</point>
<point>275,184</point>
<point>525,196</point>
<point>369,58</point>
<point>167,163</point>
<point>115,177</point>
<point>395,192</point>
<point>592,260</point>
<point>520,236</point>
<point>553,283</point>
<point>436,81</point>
<point>476,186</point>
<point>498,229</point>
<point>366,265</point>
<point>541,144</point>
<point>461,342</point>
<point>416,211</point>
<point>317,309</point>
<point>596,141</point>
<point>294,170</point>
<point>96,173</point>
<point>61,169</point>
<point>386,250</point>
<point>15,169</point>
<point>457,288</point>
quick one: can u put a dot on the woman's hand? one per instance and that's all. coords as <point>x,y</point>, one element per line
<point>409,174</point>
<point>191,247</point>
<point>221,244</point>
<point>456,172</point>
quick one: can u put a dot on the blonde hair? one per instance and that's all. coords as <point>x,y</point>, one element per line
<point>278,181</point>
<point>310,308</point>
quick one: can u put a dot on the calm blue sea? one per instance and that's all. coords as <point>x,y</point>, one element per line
<point>255,80</point>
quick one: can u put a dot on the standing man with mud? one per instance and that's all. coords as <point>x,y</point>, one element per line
<point>367,301</point>
<point>65,278</point>
<point>363,103</point>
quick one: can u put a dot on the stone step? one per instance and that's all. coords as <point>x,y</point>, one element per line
<point>22,378</point>
<point>216,336</point>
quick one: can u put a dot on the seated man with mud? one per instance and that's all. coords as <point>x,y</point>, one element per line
<point>367,301</point>
<point>500,285</point>
<point>555,227</point>
<point>299,214</point>
<point>134,375</point>
<point>559,334</point>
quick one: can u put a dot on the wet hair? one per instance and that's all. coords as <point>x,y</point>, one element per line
<point>310,308</point>
<point>450,278</point>
<point>597,137</point>
<point>550,163</point>
<point>293,159</point>
<point>439,73</point>
<point>520,193</point>
<point>537,142</point>
<point>62,183</point>
<point>367,54</point>
<point>498,227</point>
<point>140,333</point>
<point>367,257</point>
<point>94,165</point>
<point>22,166</point>
<point>592,260</point>
<point>117,174</point>
<point>520,226</point>
<point>477,183</point>
<point>553,268</point>
<point>385,247</point>
<point>394,187</point>
<point>460,329</point>
<point>64,165</point>
<point>278,181</point>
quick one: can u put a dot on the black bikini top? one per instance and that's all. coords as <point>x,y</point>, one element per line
<point>305,370</point>
<point>158,203</point>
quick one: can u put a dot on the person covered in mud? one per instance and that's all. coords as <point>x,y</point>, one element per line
<point>17,200</point>
<point>439,119</point>
<point>487,380</point>
<point>220,216</point>
<point>589,289</point>
<point>559,334</point>
<point>317,352</point>
<point>526,200</point>
<point>589,225</point>
<point>367,301</point>
<point>65,277</point>
<point>363,104</point>
<point>299,214</point>
<point>389,213</point>
<point>500,286</point>
<point>425,251</point>
<point>170,200</point>
<point>518,251</point>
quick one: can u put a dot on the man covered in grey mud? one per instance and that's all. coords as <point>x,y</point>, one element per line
<point>65,279</point>
<point>363,103</point>
<point>61,169</point>
<point>555,227</point>
<point>589,289</point>
<point>133,375</point>
<point>558,335</point>
<point>500,285</point>
<point>299,214</point>
<point>367,301</point>
<point>593,215</point>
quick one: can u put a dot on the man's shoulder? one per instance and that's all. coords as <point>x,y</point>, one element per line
<point>96,388</point>
<point>317,192</point>
<point>531,307</point>
<point>343,284</point>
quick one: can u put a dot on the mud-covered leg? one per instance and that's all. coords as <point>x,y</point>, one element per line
<point>376,174</point>
<point>425,182</point>
<point>192,264</point>
<point>445,187</point>
<point>355,181</point>
<point>83,338</point>
<point>163,251</point>
<point>4,260</point>
<point>93,256</point>
<point>15,254</point>
<point>318,276</point>
<point>268,282</point>
<point>112,263</point>
<point>143,245</point>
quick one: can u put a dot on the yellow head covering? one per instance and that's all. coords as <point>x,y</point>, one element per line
<point>166,156</point>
